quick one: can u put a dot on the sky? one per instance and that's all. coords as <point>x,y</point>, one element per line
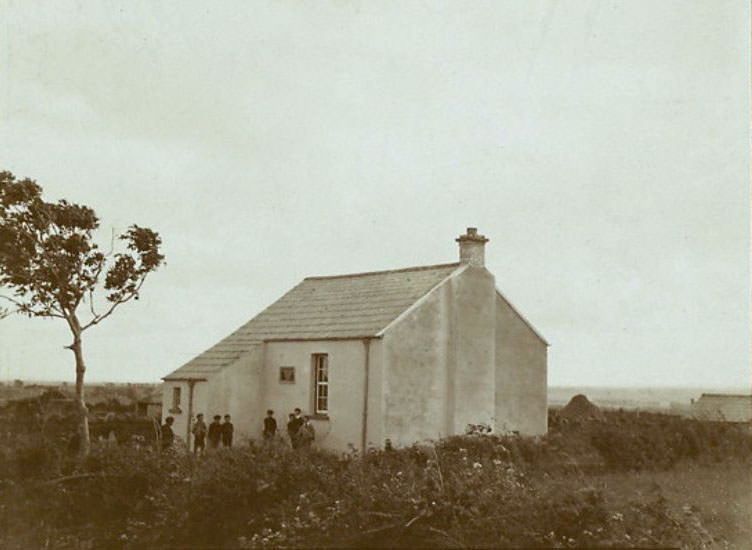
<point>602,147</point>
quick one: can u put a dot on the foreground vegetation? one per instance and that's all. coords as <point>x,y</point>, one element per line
<point>607,483</point>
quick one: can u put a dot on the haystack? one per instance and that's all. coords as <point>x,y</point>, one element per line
<point>580,408</point>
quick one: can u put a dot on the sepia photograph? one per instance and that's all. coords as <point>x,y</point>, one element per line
<point>375,274</point>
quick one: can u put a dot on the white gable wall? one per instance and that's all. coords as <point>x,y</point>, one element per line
<point>521,375</point>
<point>474,319</point>
<point>438,361</point>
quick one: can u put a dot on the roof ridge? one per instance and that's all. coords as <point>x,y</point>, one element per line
<point>367,273</point>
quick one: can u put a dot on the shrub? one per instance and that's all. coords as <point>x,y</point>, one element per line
<point>475,490</point>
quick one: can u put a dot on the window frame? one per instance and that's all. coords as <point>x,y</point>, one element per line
<point>320,362</point>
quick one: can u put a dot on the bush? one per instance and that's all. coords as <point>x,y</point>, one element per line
<point>656,441</point>
<point>474,490</point>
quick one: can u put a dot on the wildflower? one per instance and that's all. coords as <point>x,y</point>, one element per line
<point>616,516</point>
<point>477,465</point>
<point>497,462</point>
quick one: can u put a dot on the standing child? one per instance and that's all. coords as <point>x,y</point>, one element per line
<point>270,425</point>
<point>215,432</point>
<point>199,434</point>
<point>306,434</point>
<point>167,435</point>
<point>227,431</point>
<point>292,429</point>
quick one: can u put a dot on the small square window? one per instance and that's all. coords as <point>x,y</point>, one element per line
<point>287,375</point>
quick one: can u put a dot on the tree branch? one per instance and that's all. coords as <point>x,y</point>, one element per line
<point>91,302</point>
<point>114,305</point>
<point>25,308</point>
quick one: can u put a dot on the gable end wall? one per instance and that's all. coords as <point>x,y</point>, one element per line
<point>521,374</point>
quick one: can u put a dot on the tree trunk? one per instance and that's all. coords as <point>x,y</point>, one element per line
<point>83,428</point>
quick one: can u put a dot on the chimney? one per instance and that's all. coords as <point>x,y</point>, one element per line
<point>472,247</point>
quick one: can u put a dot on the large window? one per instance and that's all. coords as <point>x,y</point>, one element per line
<point>320,383</point>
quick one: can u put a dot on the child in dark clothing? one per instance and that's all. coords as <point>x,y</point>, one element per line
<point>270,425</point>
<point>227,432</point>
<point>168,436</point>
<point>199,434</point>
<point>292,429</point>
<point>215,432</point>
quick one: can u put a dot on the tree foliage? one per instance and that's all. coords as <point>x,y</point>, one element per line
<point>50,262</point>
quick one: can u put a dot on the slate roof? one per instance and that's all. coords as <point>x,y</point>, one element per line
<point>324,308</point>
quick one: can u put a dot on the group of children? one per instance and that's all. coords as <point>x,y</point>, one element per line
<point>299,429</point>
<point>217,432</point>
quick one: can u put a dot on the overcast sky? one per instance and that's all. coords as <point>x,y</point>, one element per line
<point>601,146</point>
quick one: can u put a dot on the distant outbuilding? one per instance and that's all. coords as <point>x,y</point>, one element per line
<point>580,408</point>
<point>723,407</point>
<point>150,405</point>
